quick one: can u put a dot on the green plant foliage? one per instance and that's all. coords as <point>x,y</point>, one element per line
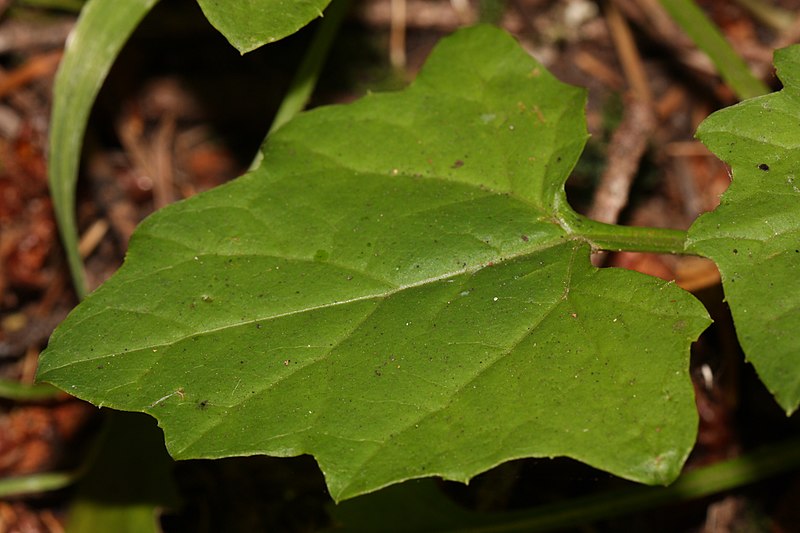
<point>393,292</point>
<point>249,24</point>
<point>421,505</point>
<point>708,38</point>
<point>102,30</point>
<point>129,479</point>
<point>94,44</point>
<point>754,235</point>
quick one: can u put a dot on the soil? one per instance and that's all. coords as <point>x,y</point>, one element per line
<point>179,93</point>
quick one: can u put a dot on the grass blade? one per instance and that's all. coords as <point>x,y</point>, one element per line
<point>710,40</point>
<point>102,30</point>
<point>13,390</point>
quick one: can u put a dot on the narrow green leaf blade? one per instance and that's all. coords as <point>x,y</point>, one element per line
<point>391,292</point>
<point>249,24</point>
<point>102,29</point>
<point>710,40</point>
<point>754,235</point>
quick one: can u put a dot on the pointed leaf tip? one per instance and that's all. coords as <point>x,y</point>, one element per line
<point>250,25</point>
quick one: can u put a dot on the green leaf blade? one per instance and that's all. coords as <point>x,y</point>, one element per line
<point>708,38</point>
<point>101,31</point>
<point>367,299</point>
<point>250,24</point>
<point>754,235</point>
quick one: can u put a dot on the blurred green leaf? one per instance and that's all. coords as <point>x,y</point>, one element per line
<point>250,24</point>
<point>709,39</point>
<point>14,390</point>
<point>129,480</point>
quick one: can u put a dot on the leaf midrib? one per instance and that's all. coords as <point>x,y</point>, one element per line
<point>430,412</point>
<point>560,240</point>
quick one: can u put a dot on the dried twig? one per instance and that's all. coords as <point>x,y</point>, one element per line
<point>627,146</point>
<point>22,35</point>
<point>37,67</point>
<point>92,237</point>
<point>599,70</point>
<point>628,55</point>
<point>153,159</point>
<point>652,19</point>
<point>431,14</point>
<point>397,35</point>
<point>630,140</point>
<point>162,154</point>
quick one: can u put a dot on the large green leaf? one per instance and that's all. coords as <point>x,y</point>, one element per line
<point>249,24</point>
<point>754,235</point>
<point>392,292</point>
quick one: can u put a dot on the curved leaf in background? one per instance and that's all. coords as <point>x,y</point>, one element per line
<point>392,292</point>
<point>754,235</point>
<point>249,24</point>
<point>102,29</point>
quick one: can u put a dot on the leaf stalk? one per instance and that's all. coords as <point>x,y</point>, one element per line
<point>615,238</point>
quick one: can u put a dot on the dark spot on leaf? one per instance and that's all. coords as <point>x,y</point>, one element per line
<point>735,251</point>
<point>202,405</point>
<point>524,238</point>
<point>764,167</point>
<point>458,164</point>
